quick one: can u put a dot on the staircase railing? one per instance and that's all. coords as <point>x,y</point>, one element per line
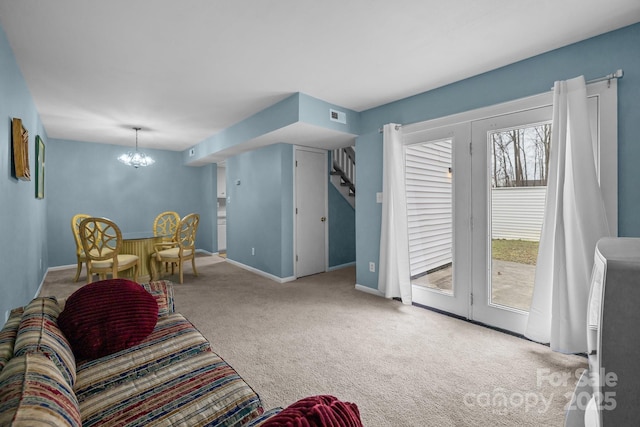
<point>344,165</point>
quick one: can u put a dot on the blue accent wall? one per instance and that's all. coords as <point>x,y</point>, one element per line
<point>260,209</point>
<point>368,211</point>
<point>298,107</point>
<point>593,58</point>
<point>23,254</point>
<point>342,229</point>
<point>85,177</point>
<point>279,115</point>
<point>315,111</point>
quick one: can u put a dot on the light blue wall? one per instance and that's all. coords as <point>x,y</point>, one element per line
<point>260,209</point>
<point>278,115</point>
<point>592,58</point>
<point>81,177</point>
<point>368,211</point>
<point>23,253</point>
<point>342,229</point>
<point>298,107</point>
<point>260,213</point>
<point>85,177</point>
<point>315,111</point>
<point>243,232</point>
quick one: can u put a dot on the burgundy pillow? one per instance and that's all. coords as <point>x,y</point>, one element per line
<point>105,317</point>
<point>317,411</point>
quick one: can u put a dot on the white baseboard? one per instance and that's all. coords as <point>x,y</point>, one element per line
<point>63,267</point>
<point>369,290</point>
<point>39,287</point>
<point>262,273</point>
<point>202,251</point>
<point>338,267</point>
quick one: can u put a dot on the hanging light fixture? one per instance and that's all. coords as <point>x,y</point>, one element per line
<point>136,158</point>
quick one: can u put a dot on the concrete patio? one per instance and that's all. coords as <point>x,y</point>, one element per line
<point>511,283</point>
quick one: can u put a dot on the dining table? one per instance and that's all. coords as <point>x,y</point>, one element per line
<point>142,244</point>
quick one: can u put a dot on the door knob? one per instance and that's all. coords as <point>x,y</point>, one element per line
<point>323,219</point>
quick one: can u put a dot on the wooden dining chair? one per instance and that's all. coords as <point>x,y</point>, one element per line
<point>102,241</point>
<point>184,246</point>
<point>165,226</point>
<point>75,228</point>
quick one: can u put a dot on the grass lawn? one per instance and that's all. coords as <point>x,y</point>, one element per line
<point>521,251</point>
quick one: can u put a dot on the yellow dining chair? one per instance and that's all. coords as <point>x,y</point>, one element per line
<point>165,225</point>
<point>184,246</point>
<point>101,241</point>
<point>75,228</point>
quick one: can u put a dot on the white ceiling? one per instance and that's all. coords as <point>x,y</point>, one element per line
<point>185,70</point>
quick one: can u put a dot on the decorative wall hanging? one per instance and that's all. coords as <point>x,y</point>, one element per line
<point>39,168</point>
<point>20,139</point>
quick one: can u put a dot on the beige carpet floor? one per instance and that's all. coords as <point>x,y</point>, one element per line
<point>402,365</point>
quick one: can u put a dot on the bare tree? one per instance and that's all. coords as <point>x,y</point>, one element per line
<point>521,156</point>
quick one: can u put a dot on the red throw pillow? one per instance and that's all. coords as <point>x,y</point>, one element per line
<point>105,317</point>
<point>317,411</point>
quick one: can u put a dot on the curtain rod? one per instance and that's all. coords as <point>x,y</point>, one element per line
<point>380,130</point>
<point>618,74</point>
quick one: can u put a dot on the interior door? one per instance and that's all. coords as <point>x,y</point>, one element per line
<point>509,168</point>
<point>437,177</point>
<point>311,181</point>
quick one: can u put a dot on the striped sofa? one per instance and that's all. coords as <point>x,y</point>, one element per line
<point>172,378</point>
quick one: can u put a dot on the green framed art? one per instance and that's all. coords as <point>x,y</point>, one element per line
<point>39,168</point>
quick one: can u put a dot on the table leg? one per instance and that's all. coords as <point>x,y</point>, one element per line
<point>144,248</point>
<point>153,263</point>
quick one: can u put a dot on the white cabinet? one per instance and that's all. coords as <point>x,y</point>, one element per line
<point>222,183</point>
<point>222,234</point>
<point>222,220</point>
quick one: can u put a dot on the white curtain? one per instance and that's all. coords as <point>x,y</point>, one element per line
<point>393,275</point>
<point>574,220</point>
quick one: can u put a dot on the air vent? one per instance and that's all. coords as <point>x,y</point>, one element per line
<point>337,116</point>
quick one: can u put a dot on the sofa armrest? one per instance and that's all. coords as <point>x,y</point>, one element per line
<point>8,335</point>
<point>162,291</point>
<point>34,392</point>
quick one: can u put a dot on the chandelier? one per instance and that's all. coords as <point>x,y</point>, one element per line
<point>136,158</point>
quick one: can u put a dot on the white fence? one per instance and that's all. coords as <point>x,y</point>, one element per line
<point>517,212</point>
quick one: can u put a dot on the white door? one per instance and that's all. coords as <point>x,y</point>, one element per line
<point>438,181</point>
<point>509,167</point>
<point>495,202</point>
<point>311,177</point>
